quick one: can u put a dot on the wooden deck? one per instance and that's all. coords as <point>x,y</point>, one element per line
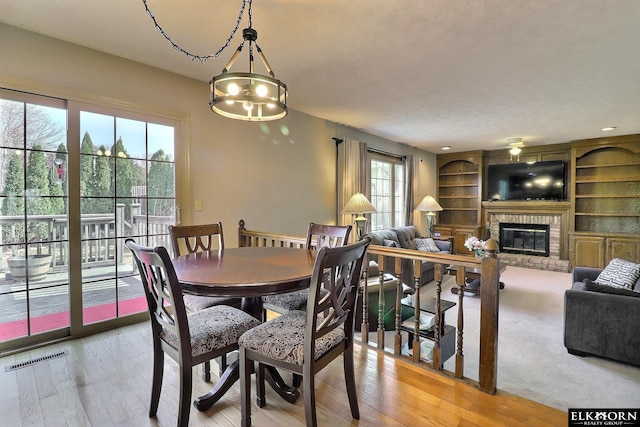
<point>105,381</point>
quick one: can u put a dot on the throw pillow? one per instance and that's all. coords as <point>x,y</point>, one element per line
<point>390,243</point>
<point>619,273</point>
<point>427,245</point>
<point>593,286</point>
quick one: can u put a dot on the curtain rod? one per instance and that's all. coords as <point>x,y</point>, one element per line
<point>376,151</point>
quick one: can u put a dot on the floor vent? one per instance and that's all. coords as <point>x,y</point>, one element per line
<point>35,361</point>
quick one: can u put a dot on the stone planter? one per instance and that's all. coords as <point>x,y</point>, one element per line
<point>39,266</point>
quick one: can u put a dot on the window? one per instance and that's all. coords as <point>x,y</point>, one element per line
<point>387,191</point>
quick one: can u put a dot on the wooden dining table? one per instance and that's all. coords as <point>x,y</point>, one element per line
<point>249,273</point>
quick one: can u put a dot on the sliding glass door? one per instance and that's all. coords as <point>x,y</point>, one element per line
<point>34,274</point>
<point>127,189</point>
<point>76,181</point>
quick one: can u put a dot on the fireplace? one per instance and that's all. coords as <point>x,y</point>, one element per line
<point>552,216</point>
<point>526,239</point>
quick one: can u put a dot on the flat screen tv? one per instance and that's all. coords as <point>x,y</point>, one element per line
<point>526,181</point>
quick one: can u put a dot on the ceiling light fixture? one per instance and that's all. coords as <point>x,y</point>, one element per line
<point>245,96</point>
<point>606,129</point>
<point>515,147</point>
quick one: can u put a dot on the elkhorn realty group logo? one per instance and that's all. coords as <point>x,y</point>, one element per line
<point>604,417</point>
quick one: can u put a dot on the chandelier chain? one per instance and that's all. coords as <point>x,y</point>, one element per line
<point>201,58</point>
<point>250,44</point>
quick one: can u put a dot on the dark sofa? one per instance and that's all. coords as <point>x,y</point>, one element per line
<point>404,237</point>
<point>601,323</point>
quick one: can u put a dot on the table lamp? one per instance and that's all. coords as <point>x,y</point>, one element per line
<point>359,205</point>
<point>430,206</point>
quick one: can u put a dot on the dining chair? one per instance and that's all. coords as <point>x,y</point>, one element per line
<point>318,236</point>
<point>304,342</point>
<point>188,338</point>
<point>196,238</point>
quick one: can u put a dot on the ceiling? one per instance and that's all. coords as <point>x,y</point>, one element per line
<point>469,74</point>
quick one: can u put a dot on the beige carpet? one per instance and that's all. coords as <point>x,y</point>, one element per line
<point>532,360</point>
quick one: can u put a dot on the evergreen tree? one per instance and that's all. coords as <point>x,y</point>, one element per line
<point>86,172</point>
<point>58,182</point>
<point>37,183</point>
<point>123,176</point>
<point>101,184</point>
<point>139,173</point>
<point>13,189</point>
<point>37,191</point>
<point>160,186</point>
<point>13,203</point>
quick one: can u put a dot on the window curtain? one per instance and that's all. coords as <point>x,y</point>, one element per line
<point>412,183</point>
<point>352,175</point>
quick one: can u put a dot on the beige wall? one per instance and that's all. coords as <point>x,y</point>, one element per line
<point>278,176</point>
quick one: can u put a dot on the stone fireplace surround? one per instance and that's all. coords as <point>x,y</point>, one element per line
<point>552,213</point>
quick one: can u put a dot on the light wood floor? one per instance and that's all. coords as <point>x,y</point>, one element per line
<point>105,381</point>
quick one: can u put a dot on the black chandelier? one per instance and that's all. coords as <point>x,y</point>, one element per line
<point>245,96</point>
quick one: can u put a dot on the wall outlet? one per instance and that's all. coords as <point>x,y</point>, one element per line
<point>198,205</point>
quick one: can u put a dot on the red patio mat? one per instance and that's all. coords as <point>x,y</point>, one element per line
<point>49,322</point>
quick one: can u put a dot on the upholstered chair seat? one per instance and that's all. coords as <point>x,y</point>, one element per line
<point>196,302</point>
<point>213,328</point>
<point>282,339</point>
<point>296,300</point>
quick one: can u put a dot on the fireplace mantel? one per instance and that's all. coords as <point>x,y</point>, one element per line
<point>532,211</point>
<point>526,206</point>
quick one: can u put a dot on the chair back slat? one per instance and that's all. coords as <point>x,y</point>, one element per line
<point>339,270</point>
<point>321,235</point>
<point>196,238</point>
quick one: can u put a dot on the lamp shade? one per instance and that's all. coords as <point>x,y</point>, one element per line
<point>358,204</point>
<point>428,204</point>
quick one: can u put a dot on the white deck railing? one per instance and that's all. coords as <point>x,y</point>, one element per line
<point>102,236</point>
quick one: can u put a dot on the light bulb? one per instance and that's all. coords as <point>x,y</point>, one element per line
<point>107,153</point>
<point>247,105</point>
<point>271,105</point>
<point>261,90</point>
<point>228,102</point>
<point>233,89</point>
